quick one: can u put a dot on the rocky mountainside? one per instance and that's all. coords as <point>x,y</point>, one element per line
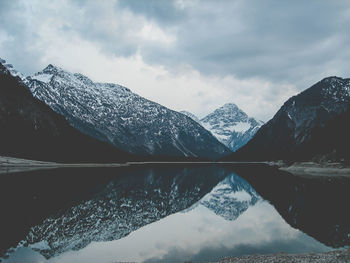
<point>230,125</point>
<point>114,114</point>
<point>191,115</point>
<point>30,129</point>
<point>301,130</point>
<point>11,69</point>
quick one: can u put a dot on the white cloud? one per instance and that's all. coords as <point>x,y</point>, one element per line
<point>151,32</point>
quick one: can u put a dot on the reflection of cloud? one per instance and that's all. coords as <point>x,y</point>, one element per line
<point>301,244</point>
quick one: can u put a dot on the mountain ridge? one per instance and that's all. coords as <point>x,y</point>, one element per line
<point>114,114</point>
<point>30,129</point>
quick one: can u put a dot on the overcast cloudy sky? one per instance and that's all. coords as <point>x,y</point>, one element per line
<point>191,55</point>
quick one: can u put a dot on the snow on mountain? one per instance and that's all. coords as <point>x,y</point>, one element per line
<point>32,130</point>
<point>230,125</point>
<point>191,115</point>
<point>112,113</point>
<point>292,133</point>
<point>11,69</point>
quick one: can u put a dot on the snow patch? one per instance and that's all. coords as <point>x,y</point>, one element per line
<point>42,245</point>
<point>46,78</point>
<point>241,196</point>
<point>239,127</point>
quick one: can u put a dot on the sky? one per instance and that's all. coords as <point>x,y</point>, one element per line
<point>193,55</point>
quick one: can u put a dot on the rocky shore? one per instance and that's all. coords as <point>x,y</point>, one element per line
<point>14,165</point>
<point>313,169</point>
<point>341,256</point>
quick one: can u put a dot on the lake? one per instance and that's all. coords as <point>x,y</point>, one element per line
<point>169,213</point>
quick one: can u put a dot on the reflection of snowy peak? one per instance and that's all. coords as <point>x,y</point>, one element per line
<point>123,205</point>
<point>114,114</point>
<point>230,125</point>
<point>230,198</point>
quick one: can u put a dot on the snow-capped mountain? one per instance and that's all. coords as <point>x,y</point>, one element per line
<point>30,129</point>
<point>112,113</point>
<point>230,125</point>
<point>12,70</point>
<point>292,133</point>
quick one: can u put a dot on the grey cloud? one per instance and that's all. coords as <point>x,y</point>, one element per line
<point>296,42</point>
<point>19,48</point>
<point>266,39</point>
<point>159,10</point>
<point>273,40</point>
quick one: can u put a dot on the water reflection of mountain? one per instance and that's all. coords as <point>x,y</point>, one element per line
<point>60,210</point>
<point>315,205</point>
<point>230,198</point>
<point>124,204</point>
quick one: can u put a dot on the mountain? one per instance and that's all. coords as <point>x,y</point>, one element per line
<point>114,114</point>
<point>191,115</point>
<point>230,125</point>
<point>331,141</point>
<point>11,69</point>
<point>304,129</point>
<point>30,129</point>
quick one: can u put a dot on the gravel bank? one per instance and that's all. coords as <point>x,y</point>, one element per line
<point>14,165</point>
<point>341,256</point>
<point>313,169</point>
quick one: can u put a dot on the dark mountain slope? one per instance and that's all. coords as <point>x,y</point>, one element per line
<point>30,129</point>
<point>293,132</point>
<point>330,142</point>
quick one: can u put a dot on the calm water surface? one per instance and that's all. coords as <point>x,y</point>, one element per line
<point>169,213</point>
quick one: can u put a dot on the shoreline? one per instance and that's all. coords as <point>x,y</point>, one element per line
<point>338,255</point>
<point>305,169</point>
<point>313,169</point>
<point>14,165</point>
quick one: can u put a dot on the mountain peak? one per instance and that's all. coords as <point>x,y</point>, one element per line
<point>229,106</point>
<point>231,109</point>
<point>51,69</point>
<point>334,80</point>
<point>230,125</point>
<point>228,111</point>
<point>11,69</point>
